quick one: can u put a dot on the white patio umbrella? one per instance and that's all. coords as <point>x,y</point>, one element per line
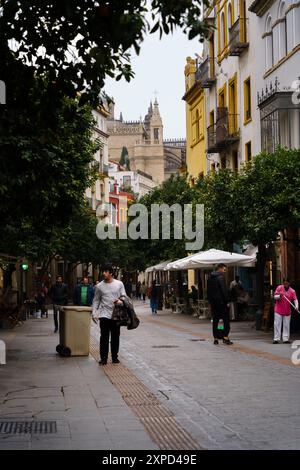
<point>208,259</point>
<point>158,267</point>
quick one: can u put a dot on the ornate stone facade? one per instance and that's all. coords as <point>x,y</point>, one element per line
<point>145,145</point>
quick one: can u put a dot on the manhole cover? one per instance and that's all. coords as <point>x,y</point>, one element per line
<point>165,346</point>
<point>201,339</point>
<point>28,427</point>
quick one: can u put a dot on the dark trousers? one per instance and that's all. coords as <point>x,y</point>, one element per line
<point>220,312</point>
<point>109,327</point>
<point>56,309</point>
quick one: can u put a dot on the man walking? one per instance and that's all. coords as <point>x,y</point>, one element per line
<point>284,296</point>
<point>84,293</point>
<point>153,298</point>
<point>59,295</point>
<point>218,297</point>
<point>107,295</point>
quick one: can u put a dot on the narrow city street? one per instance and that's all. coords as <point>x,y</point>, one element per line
<point>173,389</point>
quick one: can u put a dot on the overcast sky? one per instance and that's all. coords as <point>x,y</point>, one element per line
<point>160,68</point>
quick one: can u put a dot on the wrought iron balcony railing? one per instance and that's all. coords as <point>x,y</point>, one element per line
<point>205,73</point>
<point>238,37</point>
<point>224,132</point>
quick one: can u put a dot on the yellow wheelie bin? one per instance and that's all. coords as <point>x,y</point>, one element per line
<point>74,331</point>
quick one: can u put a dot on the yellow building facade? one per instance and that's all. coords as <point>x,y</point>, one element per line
<point>195,122</point>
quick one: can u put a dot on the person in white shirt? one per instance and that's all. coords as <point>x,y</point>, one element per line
<point>107,295</point>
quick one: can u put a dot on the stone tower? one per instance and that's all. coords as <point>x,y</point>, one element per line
<point>143,140</point>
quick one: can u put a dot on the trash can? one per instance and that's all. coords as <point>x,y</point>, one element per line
<point>74,331</point>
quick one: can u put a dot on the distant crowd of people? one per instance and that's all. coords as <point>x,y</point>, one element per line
<point>226,303</point>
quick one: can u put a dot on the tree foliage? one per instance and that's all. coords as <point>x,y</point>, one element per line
<point>271,185</point>
<point>45,153</point>
<point>78,43</point>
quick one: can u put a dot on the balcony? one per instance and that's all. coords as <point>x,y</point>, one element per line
<point>205,73</point>
<point>238,37</point>
<point>224,132</point>
<point>103,169</point>
<point>279,117</point>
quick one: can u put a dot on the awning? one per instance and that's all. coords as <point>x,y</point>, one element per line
<point>158,267</point>
<point>208,259</point>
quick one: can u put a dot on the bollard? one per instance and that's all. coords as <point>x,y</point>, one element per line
<point>2,352</point>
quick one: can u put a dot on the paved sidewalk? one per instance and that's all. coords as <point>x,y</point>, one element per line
<point>36,384</point>
<point>245,396</point>
<point>242,397</point>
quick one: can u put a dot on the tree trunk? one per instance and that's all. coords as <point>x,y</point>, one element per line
<point>260,277</point>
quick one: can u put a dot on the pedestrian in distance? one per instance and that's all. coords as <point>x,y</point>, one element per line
<point>218,297</point>
<point>153,298</point>
<point>107,295</point>
<point>41,300</point>
<point>138,290</point>
<point>84,293</point>
<point>143,291</point>
<point>285,297</point>
<point>59,296</point>
<point>128,288</point>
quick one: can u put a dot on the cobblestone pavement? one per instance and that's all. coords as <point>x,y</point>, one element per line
<point>244,396</point>
<point>241,397</point>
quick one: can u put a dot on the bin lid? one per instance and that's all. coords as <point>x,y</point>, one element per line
<point>78,308</point>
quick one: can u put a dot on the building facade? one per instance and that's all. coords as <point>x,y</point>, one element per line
<point>228,75</point>
<point>138,182</point>
<point>143,141</point>
<point>278,102</point>
<point>98,194</point>
<point>246,85</point>
<point>195,122</point>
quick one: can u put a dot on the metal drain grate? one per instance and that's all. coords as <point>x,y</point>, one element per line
<point>28,427</point>
<point>165,346</point>
<point>202,339</point>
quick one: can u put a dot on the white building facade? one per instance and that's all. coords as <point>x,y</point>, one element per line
<point>98,194</point>
<point>277,72</point>
<point>227,72</point>
<point>139,182</point>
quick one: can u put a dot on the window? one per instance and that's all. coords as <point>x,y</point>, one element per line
<point>212,56</point>
<point>213,167</point>
<point>229,16</point>
<point>222,32</point>
<point>247,101</point>
<point>211,117</point>
<point>243,21</point>
<point>126,181</point>
<point>222,97</point>
<point>156,133</point>
<point>197,126</point>
<point>248,152</point>
<point>112,214</point>
<point>282,31</point>
<point>233,118</point>
<point>269,44</point>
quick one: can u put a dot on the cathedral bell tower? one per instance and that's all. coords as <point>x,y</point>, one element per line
<point>154,125</point>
